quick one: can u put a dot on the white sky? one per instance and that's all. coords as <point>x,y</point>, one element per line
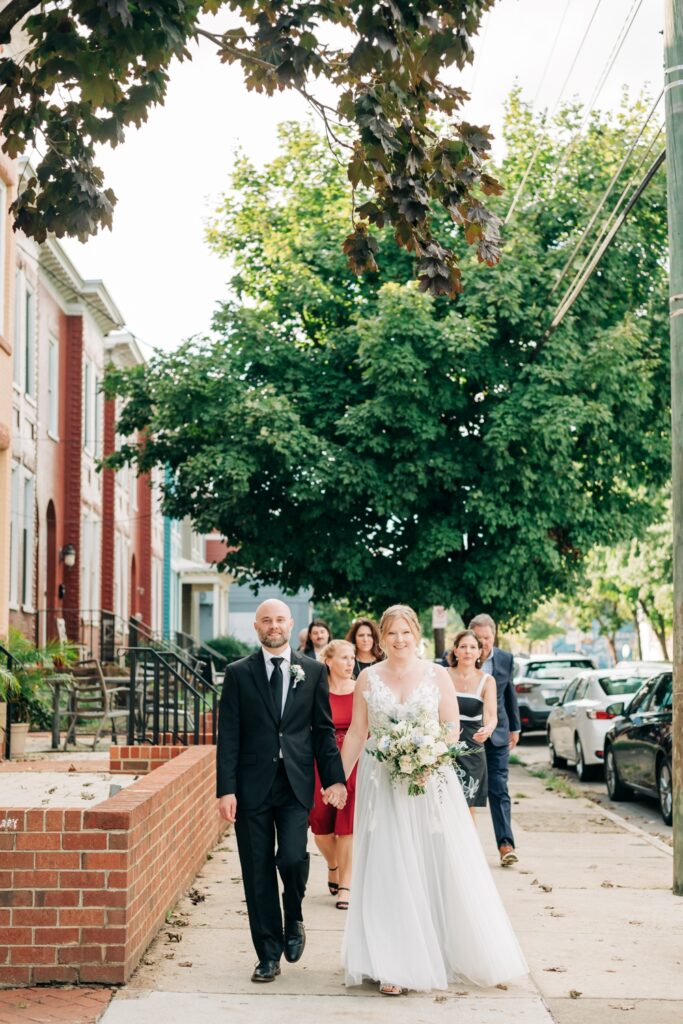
<point>168,174</point>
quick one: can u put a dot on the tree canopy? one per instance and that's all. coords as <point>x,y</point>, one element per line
<point>380,444</point>
<point>91,68</point>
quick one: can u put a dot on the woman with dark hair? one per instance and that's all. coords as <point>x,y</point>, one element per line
<point>364,635</point>
<point>319,636</point>
<point>477,700</point>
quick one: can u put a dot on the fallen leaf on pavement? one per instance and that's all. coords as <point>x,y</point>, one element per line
<point>503,987</point>
<point>439,999</point>
<point>573,994</point>
<point>556,913</point>
<point>185,963</point>
<point>174,936</point>
<point>555,970</point>
<point>606,885</point>
<point>546,888</point>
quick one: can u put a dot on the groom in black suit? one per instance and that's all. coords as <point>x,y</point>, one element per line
<point>274,719</point>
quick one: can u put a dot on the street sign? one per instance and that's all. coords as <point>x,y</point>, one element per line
<point>439,617</point>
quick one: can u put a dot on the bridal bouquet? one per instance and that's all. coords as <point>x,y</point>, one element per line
<point>414,749</point>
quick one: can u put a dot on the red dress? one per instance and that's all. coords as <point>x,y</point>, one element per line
<point>324,819</point>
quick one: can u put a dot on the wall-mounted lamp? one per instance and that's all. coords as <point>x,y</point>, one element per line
<point>68,555</point>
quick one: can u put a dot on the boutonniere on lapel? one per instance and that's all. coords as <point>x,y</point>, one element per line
<point>296,674</point>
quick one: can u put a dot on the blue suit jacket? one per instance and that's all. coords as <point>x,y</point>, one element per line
<point>508,711</point>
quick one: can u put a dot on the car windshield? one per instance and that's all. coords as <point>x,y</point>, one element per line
<point>546,669</point>
<point>613,687</point>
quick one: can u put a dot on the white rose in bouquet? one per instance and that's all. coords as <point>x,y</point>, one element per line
<point>426,756</point>
<point>440,748</point>
<point>406,764</point>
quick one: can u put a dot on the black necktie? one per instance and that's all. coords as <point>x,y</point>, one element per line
<point>276,684</point>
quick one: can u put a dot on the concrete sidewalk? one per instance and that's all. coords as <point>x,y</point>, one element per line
<point>590,901</point>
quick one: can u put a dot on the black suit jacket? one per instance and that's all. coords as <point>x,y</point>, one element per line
<point>508,711</point>
<point>250,736</point>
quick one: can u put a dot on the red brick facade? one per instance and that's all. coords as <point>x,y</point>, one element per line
<point>108,499</point>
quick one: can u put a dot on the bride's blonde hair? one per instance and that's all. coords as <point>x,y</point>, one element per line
<point>399,611</point>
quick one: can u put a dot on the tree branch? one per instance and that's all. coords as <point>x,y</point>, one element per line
<point>11,15</point>
<point>234,51</point>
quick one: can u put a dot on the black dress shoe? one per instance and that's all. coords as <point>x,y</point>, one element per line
<point>266,970</point>
<point>295,940</point>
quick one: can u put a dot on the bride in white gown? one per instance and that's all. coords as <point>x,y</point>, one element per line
<point>424,910</point>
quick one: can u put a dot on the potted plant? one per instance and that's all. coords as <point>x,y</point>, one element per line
<point>21,686</point>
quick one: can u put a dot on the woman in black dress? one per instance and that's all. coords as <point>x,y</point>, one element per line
<point>478,703</point>
<point>364,635</point>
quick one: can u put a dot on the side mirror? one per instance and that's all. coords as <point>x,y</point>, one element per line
<point>616,709</point>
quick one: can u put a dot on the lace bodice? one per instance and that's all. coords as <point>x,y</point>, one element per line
<point>383,706</point>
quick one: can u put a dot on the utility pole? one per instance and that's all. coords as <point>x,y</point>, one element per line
<point>673,84</point>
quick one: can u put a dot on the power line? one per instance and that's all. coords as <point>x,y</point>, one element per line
<point>552,51</point>
<point>564,307</point>
<point>546,117</point>
<point>604,75</point>
<point>608,192</point>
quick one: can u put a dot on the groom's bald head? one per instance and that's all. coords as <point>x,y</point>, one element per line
<point>273,623</point>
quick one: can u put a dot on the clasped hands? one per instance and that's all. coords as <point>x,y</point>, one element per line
<point>335,795</point>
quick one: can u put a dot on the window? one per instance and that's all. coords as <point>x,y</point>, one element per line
<point>570,692</point>
<point>27,544</point>
<point>90,567</point>
<point>17,359</point>
<point>662,697</point>
<point>14,537</point>
<point>97,409</point>
<point>53,387</point>
<point>614,687</point>
<point>29,342</point>
<point>641,699</point>
<point>21,559</point>
<point>87,406</point>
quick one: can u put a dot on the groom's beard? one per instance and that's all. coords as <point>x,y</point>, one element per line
<point>273,638</point>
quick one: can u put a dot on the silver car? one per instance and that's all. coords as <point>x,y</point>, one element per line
<point>578,724</point>
<point>543,683</point>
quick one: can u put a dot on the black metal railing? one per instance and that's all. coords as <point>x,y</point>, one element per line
<point>169,700</point>
<point>101,633</point>
<point>10,661</point>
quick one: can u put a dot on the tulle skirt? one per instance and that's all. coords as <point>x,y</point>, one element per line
<point>424,910</point>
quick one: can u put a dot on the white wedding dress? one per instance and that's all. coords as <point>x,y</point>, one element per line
<point>424,910</point>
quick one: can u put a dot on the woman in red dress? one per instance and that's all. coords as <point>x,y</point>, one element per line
<point>333,829</point>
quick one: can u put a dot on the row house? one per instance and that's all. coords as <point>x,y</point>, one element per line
<point>84,555</point>
<point>87,549</point>
<point>7,187</point>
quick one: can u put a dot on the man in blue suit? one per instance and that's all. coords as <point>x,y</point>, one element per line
<point>505,738</point>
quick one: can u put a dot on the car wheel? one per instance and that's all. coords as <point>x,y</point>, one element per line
<point>665,791</point>
<point>584,772</point>
<point>555,761</point>
<point>615,787</point>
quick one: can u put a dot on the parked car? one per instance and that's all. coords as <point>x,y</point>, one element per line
<point>577,725</point>
<point>638,746</point>
<point>543,683</point>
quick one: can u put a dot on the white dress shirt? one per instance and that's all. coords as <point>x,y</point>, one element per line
<point>286,656</point>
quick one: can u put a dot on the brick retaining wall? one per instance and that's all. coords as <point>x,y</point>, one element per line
<point>83,892</point>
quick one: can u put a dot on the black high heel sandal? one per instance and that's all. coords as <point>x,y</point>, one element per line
<point>332,886</point>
